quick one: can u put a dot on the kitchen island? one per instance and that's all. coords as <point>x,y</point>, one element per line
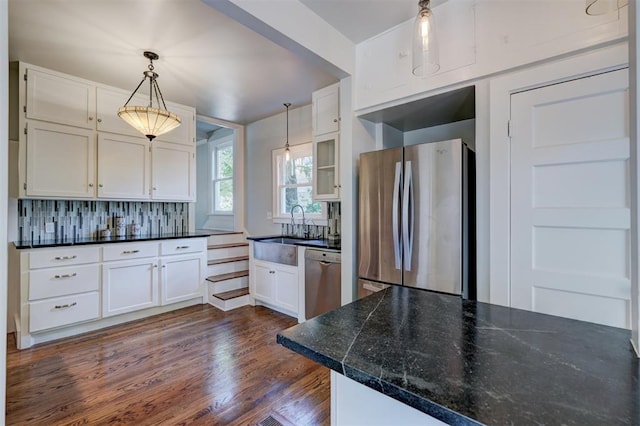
<point>465,362</point>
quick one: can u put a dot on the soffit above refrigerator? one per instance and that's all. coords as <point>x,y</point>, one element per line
<point>449,107</point>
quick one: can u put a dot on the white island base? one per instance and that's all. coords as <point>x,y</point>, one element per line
<point>354,404</point>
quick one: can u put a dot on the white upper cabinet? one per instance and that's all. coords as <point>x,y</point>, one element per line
<point>108,101</point>
<point>173,169</point>
<point>123,167</point>
<point>326,110</point>
<point>69,125</point>
<point>60,161</point>
<point>326,167</point>
<point>184,133</point>
<point>55,98</point>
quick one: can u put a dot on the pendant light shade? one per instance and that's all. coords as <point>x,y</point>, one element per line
<point>426,59</point>
<point>600,7</point>
<point>150,120</point>
<point>287,151</point>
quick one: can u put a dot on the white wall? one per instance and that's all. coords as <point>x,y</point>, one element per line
<point>262,137</point>
<point>202,183</point>
<point>4,137</point>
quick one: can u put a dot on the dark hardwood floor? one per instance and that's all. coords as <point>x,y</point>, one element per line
<point>197,365</point>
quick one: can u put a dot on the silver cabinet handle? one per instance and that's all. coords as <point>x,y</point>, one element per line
<point>65,257</point>
<point>90,185</point>
<point>65,276</point>
<point>99,120</point>
<point>155,266</point>
<point>90,118</point>
<point>65,306</point>
<point>272,272</point>
<point>130,251</point>
<point>99,185</point>
<point>335,120</point>
<point>182,247</point>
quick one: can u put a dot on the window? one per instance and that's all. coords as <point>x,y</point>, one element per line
<point>293,182</point>
<point>222,177</point>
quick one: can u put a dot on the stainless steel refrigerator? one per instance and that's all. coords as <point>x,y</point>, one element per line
<point>417,218</point>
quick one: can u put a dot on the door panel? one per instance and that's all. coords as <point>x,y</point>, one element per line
<point>378,253</point>
<point>570,212</point>
<point>436,211</point>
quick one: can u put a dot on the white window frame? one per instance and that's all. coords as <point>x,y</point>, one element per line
<point>213,148</point>
<point>278,156</point>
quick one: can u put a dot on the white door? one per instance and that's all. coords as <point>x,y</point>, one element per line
<point>123,167</point>
<point>173,169</point>
<point>570,195</point>
<point>60,161</point>
<point>326,110</point>
<point>184,133</point>
<point>286,280</point>
<point>262,276</point>
<point>181,278</point>
<point>108,101</point>
<point>60,99</point>
<point>129,286</point>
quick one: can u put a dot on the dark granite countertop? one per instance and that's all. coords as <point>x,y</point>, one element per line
<point>312,243</point>
<point>466,362</point>
<point>86,241</point>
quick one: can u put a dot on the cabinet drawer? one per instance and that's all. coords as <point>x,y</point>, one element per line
<point>46,258</point>
<point>185,245</point>
<point>60,311</point>
<point>123,251</point>
<point>54,282</point>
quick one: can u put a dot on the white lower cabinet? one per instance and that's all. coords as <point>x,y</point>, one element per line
<point>276,284</point>
<point>182,277</point>
<point>59,311</point>
<point>129,286</point>
<point>64,291</point>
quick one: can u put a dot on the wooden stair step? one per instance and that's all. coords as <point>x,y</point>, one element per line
<point>227,260</point>
<point>228,276</point>
<point>229,245</point>
<point>227,295</point>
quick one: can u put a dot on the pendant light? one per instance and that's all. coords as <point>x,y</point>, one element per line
<point>287,151</point>
<point>149,120</point>
<point>426,60</point>
<point>600,7</point>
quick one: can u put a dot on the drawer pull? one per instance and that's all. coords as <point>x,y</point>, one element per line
<point>65,276</point>
<point>130,251</point>
<point>65,306</point>
<point>65,257</point>
<point>182,247</point>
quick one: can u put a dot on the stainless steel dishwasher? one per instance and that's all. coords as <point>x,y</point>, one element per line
<point>321,282</point>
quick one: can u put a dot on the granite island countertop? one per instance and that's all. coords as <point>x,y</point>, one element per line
<point>31,244</point>
<point>466,362</point>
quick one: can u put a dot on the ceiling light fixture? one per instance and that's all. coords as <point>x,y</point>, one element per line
<point>600,7</point>
<point>149,120</point>
<point>287,151</point>
<point>426,60</point>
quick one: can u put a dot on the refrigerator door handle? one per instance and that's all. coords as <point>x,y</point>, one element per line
<point>407,215</point>
<point>397,184</point>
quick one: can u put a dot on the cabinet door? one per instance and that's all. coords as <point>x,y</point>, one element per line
<point>184,134</point>
<point>173,169</point>
<point>129,286</point>
<point>60,99</point>
<point>181,278</point>
<point>263,276</point>
<point>326,168</point>
<point>60,161</point>
<point>326,110</point>
<point>108,100</point>
<point>286,284</point>
<point>123,167</point>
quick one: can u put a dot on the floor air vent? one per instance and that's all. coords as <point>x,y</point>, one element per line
<point>275,420</point>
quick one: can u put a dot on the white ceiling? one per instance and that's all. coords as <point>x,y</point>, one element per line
<point>207,60</point>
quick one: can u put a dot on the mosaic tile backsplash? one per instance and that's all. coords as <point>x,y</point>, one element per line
<point>86,219</point>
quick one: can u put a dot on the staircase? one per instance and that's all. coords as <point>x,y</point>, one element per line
<point>227,270</point>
